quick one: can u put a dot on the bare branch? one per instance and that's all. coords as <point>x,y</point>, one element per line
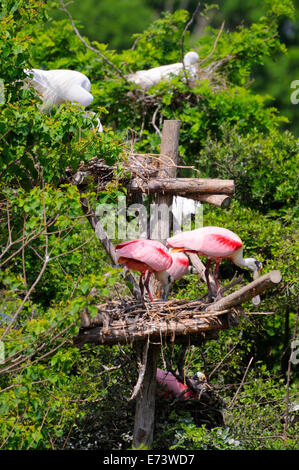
<point>186,29</point>
<point>91,48</point>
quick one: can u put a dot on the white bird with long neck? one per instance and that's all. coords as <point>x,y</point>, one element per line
<point>147,78</point>
<point>215,243</point>
<point>59,86</point>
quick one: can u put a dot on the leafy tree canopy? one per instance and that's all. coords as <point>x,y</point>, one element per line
<point>52,266</point>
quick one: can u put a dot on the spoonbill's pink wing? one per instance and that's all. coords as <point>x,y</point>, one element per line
<point>171,386</point>
<point>150,252</point>
<point>214,242</point>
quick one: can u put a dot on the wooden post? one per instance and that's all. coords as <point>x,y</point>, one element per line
<point>145,400</point>
<point>168,150</point>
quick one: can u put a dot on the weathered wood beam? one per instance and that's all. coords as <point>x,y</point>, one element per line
<point>218,200</point>
<point>247,292</point>
<point>144,415</point>
<point>130,334</point>
<point>167,169</point>
<point>216,316</point>
<point>183,186</point>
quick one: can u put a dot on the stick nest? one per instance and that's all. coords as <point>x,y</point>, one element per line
<point>128,321</point>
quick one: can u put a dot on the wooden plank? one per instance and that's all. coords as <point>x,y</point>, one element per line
<point>218,200</point>
<point>169,149</point>
<point>182,186</point>
<point>173,330</point>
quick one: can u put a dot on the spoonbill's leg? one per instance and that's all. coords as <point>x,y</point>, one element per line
<point>207,275</point>
<point>146,285</point>
<point>216,277</point>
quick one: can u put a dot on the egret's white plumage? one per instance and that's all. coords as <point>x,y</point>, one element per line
<point>147,78</point>
<point>60,86</point>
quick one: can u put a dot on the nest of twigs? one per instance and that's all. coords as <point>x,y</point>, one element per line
<point>129,321</point>
<point>134,166</point>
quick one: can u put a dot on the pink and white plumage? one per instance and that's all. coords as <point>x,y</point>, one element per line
<point>215,243</point>
<point>179,267</point>
<point>147,257</point>
<point>151,256</point>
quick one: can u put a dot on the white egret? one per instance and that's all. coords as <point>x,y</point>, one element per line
<point>61,86</point>
<point>147,78</point>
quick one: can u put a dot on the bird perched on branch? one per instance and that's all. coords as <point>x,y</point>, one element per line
<point>60,86</point>
<point>147,78</point>
<point>216,243</point>
<point>152,257</point>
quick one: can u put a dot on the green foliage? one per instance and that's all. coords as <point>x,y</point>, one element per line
<point>109,22</point>
<point>52,266</point>
<point>263,166</point>
<point>259,406</point>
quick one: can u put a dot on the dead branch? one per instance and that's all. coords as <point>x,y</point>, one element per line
<point>91,48</point>
<point>246,293</point>
<point>242,383</point>
<point>107,244</point>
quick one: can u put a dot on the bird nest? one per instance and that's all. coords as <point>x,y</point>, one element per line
<point>136,167</point>
<point>130,321</point>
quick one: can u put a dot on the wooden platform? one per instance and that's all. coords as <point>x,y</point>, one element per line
<point>130,321</point>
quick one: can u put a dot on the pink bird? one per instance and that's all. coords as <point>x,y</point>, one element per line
<point>147,257</point>
<point>170,386</point>
<point>151,256</point>
<point>215,243</point>
<point>179,268</point>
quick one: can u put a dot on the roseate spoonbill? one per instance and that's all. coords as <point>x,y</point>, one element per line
<point>215,243</point>
<point>147,78</point>
<point>172,387</point>
<point>179,268</point>
<point>60,86</point>
<point>147,257</point>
